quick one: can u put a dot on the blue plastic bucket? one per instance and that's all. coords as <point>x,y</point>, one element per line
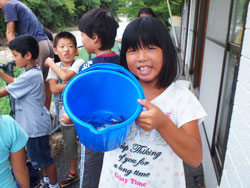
<point>103,90</point>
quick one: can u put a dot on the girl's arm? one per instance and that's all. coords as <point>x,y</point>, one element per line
<point>8,79</point>
<point>185,141</point>
<point>55,87</point>
<point>64,74</point>
<point>18,163</point>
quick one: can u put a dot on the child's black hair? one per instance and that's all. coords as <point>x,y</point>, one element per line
<point>144,32</point>
<point>102,23</point>
<point>146,11</point>
<point>67,35</point>
<point>24,44</point>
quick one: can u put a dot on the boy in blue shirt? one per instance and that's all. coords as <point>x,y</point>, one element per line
<point>30,112</point>
<point>98,28</point>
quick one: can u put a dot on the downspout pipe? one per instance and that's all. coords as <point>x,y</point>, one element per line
<point>171,18</point>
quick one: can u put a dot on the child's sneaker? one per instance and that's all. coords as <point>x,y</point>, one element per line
<point>70,179</point>
<point>42,185</point>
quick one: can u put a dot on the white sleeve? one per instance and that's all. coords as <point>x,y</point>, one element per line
<point>76,65</point>
<point>51,75</point>
<point>189,108</point>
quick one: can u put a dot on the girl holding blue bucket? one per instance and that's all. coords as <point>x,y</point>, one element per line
<point>166,132</point>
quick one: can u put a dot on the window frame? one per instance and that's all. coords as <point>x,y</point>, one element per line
<point>218,154</point>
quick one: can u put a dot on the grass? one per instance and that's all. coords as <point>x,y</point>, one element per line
<point>5,101</point>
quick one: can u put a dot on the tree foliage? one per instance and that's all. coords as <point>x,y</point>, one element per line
<point>59,14</point>
<point>132,7</point>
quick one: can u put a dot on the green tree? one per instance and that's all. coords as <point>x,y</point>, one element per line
<point>60,14</point>
<point>132,7</point>
<point>111,6</point>
<point>2,25</point>
<point>53,13</point>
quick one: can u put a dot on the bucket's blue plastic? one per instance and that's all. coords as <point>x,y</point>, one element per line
<point>103,89</point>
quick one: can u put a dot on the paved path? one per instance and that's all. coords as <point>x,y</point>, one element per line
<point>5,55</point>
<point>62,168</point>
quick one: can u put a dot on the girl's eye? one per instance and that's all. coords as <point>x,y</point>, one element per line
<point>151,47</point>
<point>131,50</point>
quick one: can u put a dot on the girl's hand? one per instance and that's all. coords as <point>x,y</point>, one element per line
<point>151,119</point>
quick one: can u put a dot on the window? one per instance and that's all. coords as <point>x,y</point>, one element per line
<point>228,84</point>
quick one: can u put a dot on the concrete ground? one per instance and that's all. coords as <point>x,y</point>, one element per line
<point>62,168</point>
<point>61,161</point>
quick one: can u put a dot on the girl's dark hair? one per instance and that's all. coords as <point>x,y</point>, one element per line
<point>102,23</point>
<point>144,32</point>
<point>24,44</point>
<point>146,11</point>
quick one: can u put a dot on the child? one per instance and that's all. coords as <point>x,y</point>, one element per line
<point>65,46</point>
<point>12,142</point>
<point>30,112</point>
<point>98,28</point>
<point>143,12</point>
<point>146,12</point>
<point>166,132</point>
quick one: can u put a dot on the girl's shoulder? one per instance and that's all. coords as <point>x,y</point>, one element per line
<point>178,89</point>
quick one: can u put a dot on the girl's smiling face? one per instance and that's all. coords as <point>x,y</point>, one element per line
<point>145,63</point>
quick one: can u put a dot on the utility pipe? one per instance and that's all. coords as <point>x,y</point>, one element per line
<point>170,13</point>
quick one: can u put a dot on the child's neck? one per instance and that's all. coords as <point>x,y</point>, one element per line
<point>66,64</point>
<point>151,91</point>
<point>99,52</point>
<point>30,64</point>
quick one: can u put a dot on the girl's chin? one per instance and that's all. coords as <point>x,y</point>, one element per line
<point>145,80</point>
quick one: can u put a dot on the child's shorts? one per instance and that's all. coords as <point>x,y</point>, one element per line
<point>70,141</point>
<point>39,152</point>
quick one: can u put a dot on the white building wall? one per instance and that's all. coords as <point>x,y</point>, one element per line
<point>236,171</point>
